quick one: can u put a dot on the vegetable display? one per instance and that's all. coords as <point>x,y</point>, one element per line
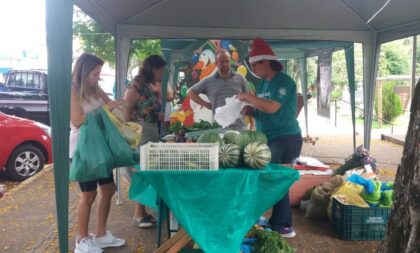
<point>247,148</point>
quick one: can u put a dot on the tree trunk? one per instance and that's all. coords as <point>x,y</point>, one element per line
<point>403,234</point>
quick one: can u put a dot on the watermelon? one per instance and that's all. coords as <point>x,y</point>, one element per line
<point>231,137</point>
<point>210,137</point>
<point>258,136</point>
<point>230,155</point>
<point>249,136</point>
<point>257,155</point>
<point>245,137</point>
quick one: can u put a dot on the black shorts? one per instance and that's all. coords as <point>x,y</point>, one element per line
<point>92,185</point>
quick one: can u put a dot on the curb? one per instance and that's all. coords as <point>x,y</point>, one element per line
<point>26,182</point>
<point>392,139</point>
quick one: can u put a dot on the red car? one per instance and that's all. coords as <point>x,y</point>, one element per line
<point>25,146</point>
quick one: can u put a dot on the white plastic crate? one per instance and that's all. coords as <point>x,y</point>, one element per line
<point>179,156</point>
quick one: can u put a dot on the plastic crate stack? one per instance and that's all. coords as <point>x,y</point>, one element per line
<point>179,156</point>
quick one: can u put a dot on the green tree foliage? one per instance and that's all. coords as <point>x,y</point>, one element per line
<point>391,103</point>
<point>418,56</point>
<point>395,58</point>
<point>294,71</point>
<point>94,39</point>
<point>338,74</point>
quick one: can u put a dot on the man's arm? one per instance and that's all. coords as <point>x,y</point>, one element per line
<point>264,105</point>
<point>196,98</point>
<point>195,95</point>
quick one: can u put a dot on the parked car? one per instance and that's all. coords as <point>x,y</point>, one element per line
<point>25,146</point>
<point>3,87</point>
<point>25,94</point>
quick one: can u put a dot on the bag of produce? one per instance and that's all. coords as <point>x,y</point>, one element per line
<point>86,165</point>
<point>131,131</point>
<point>123,155</point>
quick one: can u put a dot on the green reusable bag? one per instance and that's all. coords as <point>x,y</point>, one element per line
<point>92,158</point>
<point>121,151</point>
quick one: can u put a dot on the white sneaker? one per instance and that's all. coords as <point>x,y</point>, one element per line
<point>86,246</point>
<point>107,240</point>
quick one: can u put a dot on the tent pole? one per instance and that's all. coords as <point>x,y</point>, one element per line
<point>304,84</point>
<point>370,66</point>
<point>349,52</point>
<point>413,66</point>
<point>122,45</point>
<point>59,32</point>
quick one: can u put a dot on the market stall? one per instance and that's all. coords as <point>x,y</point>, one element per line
<point>371,23</point>
<point>217,208</point>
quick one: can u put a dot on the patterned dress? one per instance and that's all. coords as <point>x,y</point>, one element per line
<point>147,109</point>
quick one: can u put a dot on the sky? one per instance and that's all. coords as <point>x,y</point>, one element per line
<point>22,28</point>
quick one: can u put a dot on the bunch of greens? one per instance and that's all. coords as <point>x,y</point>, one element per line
<point>197,126</point>
<point>268,241</point>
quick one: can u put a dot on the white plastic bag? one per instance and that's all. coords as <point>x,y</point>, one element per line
<point>227,114</point>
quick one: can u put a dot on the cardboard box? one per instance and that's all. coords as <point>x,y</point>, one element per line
<point>307,180</point>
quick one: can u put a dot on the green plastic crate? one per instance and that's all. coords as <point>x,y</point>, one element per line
<point>191,251</point>
<point>357,223</point>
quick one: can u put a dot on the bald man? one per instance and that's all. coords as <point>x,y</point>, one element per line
<point>217,87</point>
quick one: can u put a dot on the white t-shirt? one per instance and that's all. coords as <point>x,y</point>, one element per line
<point>87,107</point>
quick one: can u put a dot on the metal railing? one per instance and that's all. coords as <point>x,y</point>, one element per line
<point>379,118</point>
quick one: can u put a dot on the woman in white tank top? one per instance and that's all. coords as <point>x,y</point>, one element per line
<point>86,97</point>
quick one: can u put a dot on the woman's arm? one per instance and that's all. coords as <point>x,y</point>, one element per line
<point>111,104</point>
<point>131,97</point>
<point>264,105</point>
<point>169,93</point>
<point>77,117</point>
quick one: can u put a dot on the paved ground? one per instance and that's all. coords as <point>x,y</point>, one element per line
<point>28,219</point>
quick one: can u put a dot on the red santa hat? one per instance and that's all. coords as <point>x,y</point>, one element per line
<point>260,50</point>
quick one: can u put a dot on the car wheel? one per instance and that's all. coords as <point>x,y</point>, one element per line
<point>24,162</point>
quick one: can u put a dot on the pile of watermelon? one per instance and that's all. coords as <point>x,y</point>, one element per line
<point>240,149</point>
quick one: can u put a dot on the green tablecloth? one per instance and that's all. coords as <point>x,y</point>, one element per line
<point>217,208</point>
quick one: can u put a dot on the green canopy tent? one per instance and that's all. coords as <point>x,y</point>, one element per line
<point>179,50</point>
<point>368,22</point>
